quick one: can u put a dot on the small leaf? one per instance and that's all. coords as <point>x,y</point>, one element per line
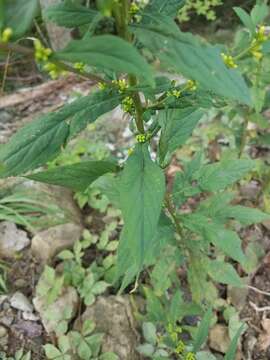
<point>51,351</point>
<point>146,349</point>
<point>218,176</point>
<point>230,355</point>
<point>259,13</point>
<point>246,19</point>
<point>70,15</point>
<point>149,332</point>
<point>64,344</point>
<point>166,7</point>
<point>202,332</point>
<point>177,127</point>
<point>108,52</point>
<point>223,273</point>
<point>66,255</point>
<point>76,176</point>
<point>99,287</point>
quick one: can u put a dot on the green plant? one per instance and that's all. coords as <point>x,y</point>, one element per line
<point>158,219</point>
<point>205,8</point>
<point>19,355</point>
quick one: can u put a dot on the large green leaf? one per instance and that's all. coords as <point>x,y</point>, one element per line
<point>19,15</point>
<point>224,273</point>
<point>218,176</point>
<point>243,214</point>
<point>70,15</point>
<point>77,176</point>
<point>142,188</point>
<point>230,355</point>
<point>202,332</point>
<point>108,52</point>
<point>186,54</point>
<point>166,7</point>
<point>177,126</point>
<point>41,140</point>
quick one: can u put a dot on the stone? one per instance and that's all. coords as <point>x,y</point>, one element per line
<point>12,239</point>
<point>48,243</point>
<point>20,302</point>
<point>3,337</point>
<point>69,299</point>
<point>219,339</point>
<point>113,317</point>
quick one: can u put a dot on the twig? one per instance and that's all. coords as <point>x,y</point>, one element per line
<point>258,290</point>
<point>5,73</point>
<point>259,309</point>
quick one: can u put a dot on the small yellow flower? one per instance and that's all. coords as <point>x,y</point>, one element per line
<point>134,9</point>
<point>6,34</point>
<point>121,84</point>
<point>130,151</point>
<point>190,356</point>
<point>102,86</point>
<point>79,66</point>
<point>261,35</point>
<point>191,85</point>
<point>141,138</point>
<point>41,53</point>
<point>229,61</point>
<point>53,70</point>
<point>127,104</point>
<point>180,347</point>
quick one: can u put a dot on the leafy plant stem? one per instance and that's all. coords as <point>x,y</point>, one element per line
<point>243,137</point>
<point>11,47</point>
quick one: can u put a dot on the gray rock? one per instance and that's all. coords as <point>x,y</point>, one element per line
<point>113,317</point>
<point>20,302</point>
<point>52,314</point>
<point>48,243</point>
<point>3,338</point>
<point>12,239</point>
<point>219,339</point>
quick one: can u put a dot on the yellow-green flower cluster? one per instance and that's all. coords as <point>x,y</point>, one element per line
<point>180,348</point>
<point>134,9</point>
<point>256,46</point>
<point>121,84</point>
<point>102,86</point>
<point>175,93</point>
<point>6,35</point>
<point>190,356</point>
<point>229,61</point>
<point>191,85</point>
<point>127,104</point>
<point>53,70</point>
<point>141,138</point>
<point>42,54</point>
<point>79,66</point>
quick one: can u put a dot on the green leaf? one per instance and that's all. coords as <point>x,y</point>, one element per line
<point>19,15</point>
<point>77,176</point>
<point>230,355</point>
<point>186,54</point>
<point>205,355</point>
<point>218,176</point>
<point>142,188</point>
<point>41,140</point>
<point>99,287</point>
<point>226,240</point>
<point>166,7</point>
<point>51,351</point>
<point>108,356</point>
<point>223,273</point>
<point>246,19</point>
<point>108,52</point>
<point>259,13</point>
<point>177,127</point>
<point>63,343</point>
<point>202,332</point>
<point>70,15</point>
<point>146,349</point>
<point>245,215</point>
<point>149,332</point>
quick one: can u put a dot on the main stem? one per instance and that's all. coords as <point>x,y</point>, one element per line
<point>122,20</point>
